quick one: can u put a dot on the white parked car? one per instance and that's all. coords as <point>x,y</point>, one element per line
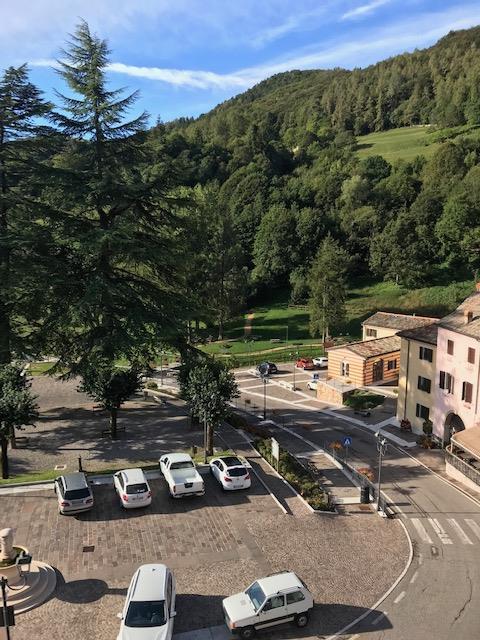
<point>231,473</point>
<point>312,385</point>
<point>74,493</point>
<point>150,605</point>
<point>181,475</point>
<point>132,488</point>
<point>321,361</point>
<point>268,602</point>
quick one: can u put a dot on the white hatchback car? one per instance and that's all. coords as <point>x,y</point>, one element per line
<point>321,361</point>
<point>132,488</point>
<point>150,605</point>
<point>74,493</point>
<point>268,602</point>
<point>231,473</point>
<point>312,385</point>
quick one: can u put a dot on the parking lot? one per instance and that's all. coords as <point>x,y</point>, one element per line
<point>216,545</point>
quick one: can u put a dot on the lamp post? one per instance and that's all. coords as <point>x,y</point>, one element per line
<point>264,378</point>
<point>205,437</point>
<point>295,357</point>
<point>381,448</point>
<point>3,585</point>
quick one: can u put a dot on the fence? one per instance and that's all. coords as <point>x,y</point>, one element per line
<point>286,355</point>
<point>461,465</point>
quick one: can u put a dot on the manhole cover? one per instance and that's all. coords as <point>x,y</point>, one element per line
<point>88,548</point>
<point>60,467</point>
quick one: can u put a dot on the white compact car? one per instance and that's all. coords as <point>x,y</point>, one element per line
<point>74,493</point>
<point>321,361</point>
<point>181,475</point>
<point>132,488</point>
<point>231,473</point>
<point>312,385</point>
<point>270,601</point>
<point>150,605</point>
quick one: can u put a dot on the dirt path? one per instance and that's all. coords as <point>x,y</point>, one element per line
<point>248,323</point>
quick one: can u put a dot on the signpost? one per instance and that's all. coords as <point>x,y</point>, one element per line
<point>275,451</point>
<point>347,442</point>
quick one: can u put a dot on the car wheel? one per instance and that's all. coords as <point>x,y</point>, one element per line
<point>247,632</point>
<point>301,620</point>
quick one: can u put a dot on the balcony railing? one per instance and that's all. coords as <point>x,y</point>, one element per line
<point>461,465</point>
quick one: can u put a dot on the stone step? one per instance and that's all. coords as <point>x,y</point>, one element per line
<point>41,583</point>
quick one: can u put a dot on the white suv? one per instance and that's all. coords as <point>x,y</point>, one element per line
<point>132,488</point>
<point>270,601</point>
<point>74,493</point>
<point>150,605</point>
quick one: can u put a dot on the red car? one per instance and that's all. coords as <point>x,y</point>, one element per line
<point>305,363</point>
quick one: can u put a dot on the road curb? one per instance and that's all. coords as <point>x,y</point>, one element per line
<point>342,631</point>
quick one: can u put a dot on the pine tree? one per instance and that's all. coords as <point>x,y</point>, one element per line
<point>21,108</point>
<point>121,286</point>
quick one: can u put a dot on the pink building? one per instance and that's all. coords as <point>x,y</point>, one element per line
<point>456,403</point>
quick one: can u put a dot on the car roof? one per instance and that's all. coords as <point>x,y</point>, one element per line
<point>149,583</point>
<point>231,461</point>
<point>179,457</point>
<point>279,582</point>
<point>134,475</point>
<point>76,480</point>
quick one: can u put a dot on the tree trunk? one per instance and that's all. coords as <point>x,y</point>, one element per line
<point>4,456</point>
<point>113,423</point>
<point>210,440</point>
<point>197,325</point>
<point>220,326</point>
<point>13,440</point>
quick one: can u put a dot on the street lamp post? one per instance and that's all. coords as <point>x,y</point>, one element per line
<point>295,357</point>
<point>205,437</point>
<point>264,378</point>
<point>381,448</point>
<point>3,585</point>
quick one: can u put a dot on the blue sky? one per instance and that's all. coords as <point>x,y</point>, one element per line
<point>186,56</point>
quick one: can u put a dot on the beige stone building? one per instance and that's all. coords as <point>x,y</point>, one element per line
<point>418,356</point>
<point>383,324</point>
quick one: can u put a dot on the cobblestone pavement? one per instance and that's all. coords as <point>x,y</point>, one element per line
<point>216,546</point>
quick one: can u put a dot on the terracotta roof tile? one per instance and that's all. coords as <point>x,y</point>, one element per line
<point>372,348</point>
<point>428,333</point>
<point>399,321</point>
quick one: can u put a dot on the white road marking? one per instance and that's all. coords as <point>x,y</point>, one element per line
<point>378,618</point>
<point>461,533</point>
<point>420,559</point>
<point>399,597</point>
<point>414,577</point>
<point>422,532</point>
<point>474,527</point>
<point>440,531</point>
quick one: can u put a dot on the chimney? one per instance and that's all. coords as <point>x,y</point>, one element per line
<point>477,286</point>
<point>468,316</point>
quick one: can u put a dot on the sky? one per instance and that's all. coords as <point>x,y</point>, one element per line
<point>186,56</point>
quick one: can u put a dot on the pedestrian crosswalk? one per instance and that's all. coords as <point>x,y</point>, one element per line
<point>450,531</point>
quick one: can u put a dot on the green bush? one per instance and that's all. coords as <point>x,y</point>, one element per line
<point>360,400</point>
<point>151,384</point>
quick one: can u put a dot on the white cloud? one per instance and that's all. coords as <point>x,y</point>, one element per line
<point>363,9</point>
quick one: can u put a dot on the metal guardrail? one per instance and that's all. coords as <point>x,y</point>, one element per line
<point>466,469</point>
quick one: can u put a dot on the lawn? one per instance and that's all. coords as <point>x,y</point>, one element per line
<point>405,143</point>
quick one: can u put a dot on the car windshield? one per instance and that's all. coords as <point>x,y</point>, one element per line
<point>231,461</point>
<point>256,595</point>
<point>236,472</point>
<point>146,614</point>
<point>185,464</point>
<point>137,488</point>
<point>77,494</point>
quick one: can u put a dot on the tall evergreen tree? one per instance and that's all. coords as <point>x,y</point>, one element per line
<point>327,288</point>
<point>121,286</point>
<point>21,110</point>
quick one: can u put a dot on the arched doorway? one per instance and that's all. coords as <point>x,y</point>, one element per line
<point>453,424</point>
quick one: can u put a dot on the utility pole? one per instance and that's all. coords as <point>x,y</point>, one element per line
<point>264,378</point>
<point>381,448</point>
<point>205,437</point>
<point>3,585</point>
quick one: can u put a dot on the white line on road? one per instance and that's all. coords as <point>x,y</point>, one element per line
<point>474,527</point>
<point>440,531</point>
<point>422,532</point>
<point>378,618</point>
<point>414,577</point>
<point>399,597</point>
<point>420,559</point>
<point>461,533</point>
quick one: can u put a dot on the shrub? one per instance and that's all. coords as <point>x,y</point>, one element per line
<point>151,384</point>
<point>361,400</point>
<point>367,472</point>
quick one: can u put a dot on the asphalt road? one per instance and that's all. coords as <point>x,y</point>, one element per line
<point>439,597</point>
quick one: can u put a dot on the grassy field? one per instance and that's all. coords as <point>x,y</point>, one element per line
<point>405,143</point>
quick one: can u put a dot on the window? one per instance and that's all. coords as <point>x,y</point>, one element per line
<point>422,412</point>
<point>441,382</point>
<point>467,391</point>
<point>274,603</point>
<point>450,347</point>
<point>345,371</point>
<point>296,596</point>
<point>426,354</point>
<point>471,355</point>
<point>371,333</point>
<point>391,365</point>
<point>446,381</point>
<point>424,384</point>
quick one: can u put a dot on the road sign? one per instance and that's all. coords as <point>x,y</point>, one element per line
<point>347,441</point>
